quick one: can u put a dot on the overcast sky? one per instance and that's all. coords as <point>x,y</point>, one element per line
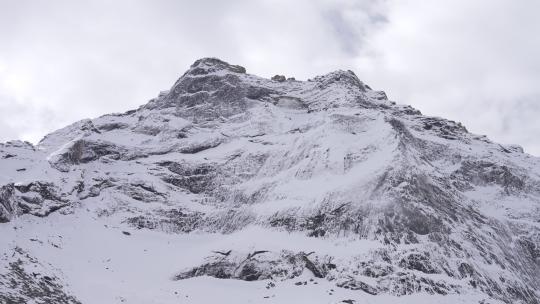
<point>477,62</point>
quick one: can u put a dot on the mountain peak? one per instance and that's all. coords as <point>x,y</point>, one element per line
<point>210,65</point>
<point>212,83</point>
<point>341,76</point>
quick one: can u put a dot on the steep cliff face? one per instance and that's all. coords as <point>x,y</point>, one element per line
<point>302,186</point>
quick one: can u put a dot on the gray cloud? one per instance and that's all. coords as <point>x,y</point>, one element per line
<point>471,61</point>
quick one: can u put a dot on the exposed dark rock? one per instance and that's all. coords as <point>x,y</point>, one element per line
<point>98,185</point>
<point>487,173</point>
<point>340,77</point>
<point>531,247</point>
<point>377,271</point>
<point>258,93</point>
<point>312,267</point>
<point>218,269</point>
<point>196,148</point>
<point>417,261</point>
<point>445,128</point>
<point>196,179</point>
<point>466,270</point>
<point>407,284</point>
<point>379,95</point>
<point>279,78</point>
<point>208,65</point>
<point>36,198</point>
<point>259,265</point>
<point>174,221</point>
<point>112,126</point>
<point>22,286</point>
<point>85,151</point>
<point>143,192</point>
<point>9,203</point>
<point>357,285</point>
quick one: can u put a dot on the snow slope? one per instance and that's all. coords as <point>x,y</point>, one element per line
<point>277,191</point>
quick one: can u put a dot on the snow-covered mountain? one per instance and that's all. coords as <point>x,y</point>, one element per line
<point>232,188</point>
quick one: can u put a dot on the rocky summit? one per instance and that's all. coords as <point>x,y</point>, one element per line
<point>233,188</point>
